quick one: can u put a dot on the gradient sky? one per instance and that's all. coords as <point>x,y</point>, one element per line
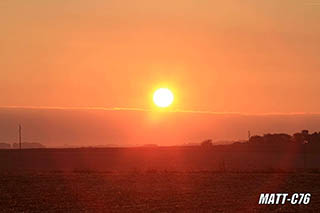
<point>221,56</point>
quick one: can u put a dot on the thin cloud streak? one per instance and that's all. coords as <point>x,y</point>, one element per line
<point>150,110</point>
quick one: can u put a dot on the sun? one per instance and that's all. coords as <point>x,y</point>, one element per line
<point>163,97</point>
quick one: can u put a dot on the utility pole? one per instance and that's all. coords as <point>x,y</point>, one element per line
<point>19,136</point>
<point>249,135</point>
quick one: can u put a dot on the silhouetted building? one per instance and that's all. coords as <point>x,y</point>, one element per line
<point>207,143</point>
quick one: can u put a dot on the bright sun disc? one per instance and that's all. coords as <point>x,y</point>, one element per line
<point>163,97</point>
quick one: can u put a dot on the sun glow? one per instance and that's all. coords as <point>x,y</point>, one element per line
<point>163,97</point>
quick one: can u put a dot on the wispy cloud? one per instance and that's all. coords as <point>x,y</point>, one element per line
<point>154,110</point>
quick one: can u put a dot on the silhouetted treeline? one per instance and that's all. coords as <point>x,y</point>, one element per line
<point>27,145</point>
<point>302,137</point>
<point>5,146</point>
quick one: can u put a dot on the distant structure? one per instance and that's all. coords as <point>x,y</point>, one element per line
<point>249,135</point>
<point>207,143</point>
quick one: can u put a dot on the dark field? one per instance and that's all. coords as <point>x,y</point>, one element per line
<point>152,191</point>
<point>164,179</point>
<point>182,159</point>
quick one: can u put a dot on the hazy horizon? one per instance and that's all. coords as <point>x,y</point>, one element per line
<point>93,127</point>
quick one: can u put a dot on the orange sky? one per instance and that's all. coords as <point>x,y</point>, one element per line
<point>220,56</point>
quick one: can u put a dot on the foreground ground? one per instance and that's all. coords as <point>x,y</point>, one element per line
<point>152,191</point>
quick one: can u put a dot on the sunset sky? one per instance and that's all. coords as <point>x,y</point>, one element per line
<point>218,56</point>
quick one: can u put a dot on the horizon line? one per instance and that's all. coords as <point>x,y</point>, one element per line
<point>160,110</point>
